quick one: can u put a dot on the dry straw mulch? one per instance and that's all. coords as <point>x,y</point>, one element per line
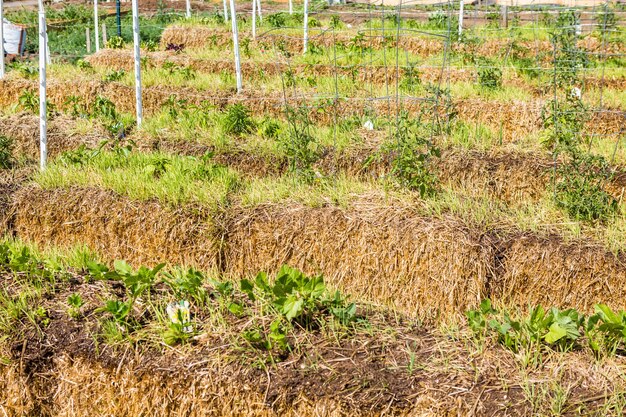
<point>392,366</point>
<point>385,254</point>
<point>140,232</point>
<point>512,121</point>
<point>547,270</point>
<point>370,74</point>
<point>202,37</point>
<point>23,129</point>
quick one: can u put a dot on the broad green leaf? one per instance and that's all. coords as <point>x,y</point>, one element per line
<point>292,307</point>
<point>247,287</point>
<point>555,333</point>
<point>122,267</point>
<point>235,308</point>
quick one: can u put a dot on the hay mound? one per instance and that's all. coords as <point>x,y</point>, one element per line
<point>114,226</point>
<point>23,129</point>
<point>547,270</point>
<point>385,254</point>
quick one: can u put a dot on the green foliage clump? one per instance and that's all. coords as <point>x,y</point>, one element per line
<point>115,42</point>
<point>563,121</point>
<point>294,300</point>
<point>114,75</point>
<point>559,329</point>
<point>606,18</point>
<point>74,302</point>
<point>136,283</point>
<point>410,78</point>
<point>490,76</point>
<point>412,153</point>
<point>237,120</point>
<point>277,20</point>
<point>581,188</point>
<point>604,331</point>
<point>299,144</point>
<point>185,72</point>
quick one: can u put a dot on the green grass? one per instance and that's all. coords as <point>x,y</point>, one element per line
<point>139,176</point>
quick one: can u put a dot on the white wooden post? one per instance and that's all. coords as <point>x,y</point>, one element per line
<point>96,25</point>
<point>290,6</point>
<point>233,19</point>
<point>188,13</point>
<point>460,17</point>
<point>306,26</point>
<point>2,38</point>
<point>136,41</point>
<point>253,19</point>
<point>225,11</point>
<point>43,128</point>
<point>104,35</point>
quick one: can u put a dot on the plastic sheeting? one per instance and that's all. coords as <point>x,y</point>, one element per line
<point>14,38</point>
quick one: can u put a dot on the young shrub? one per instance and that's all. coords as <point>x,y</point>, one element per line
<point>237,120</point>
<point>410,78</point>
<point>29,101</point>
<point>580,189</point>
<point>411,158</point>
<point>299,145</point>
<point>269,128</point>
<point>277,20</point>
<point>563,122</point>
<point>489,76</point>
<point>115,42</point>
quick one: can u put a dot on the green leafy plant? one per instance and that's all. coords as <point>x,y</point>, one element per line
<point>237,120</point>
<point>26,70</point>
<point>410,78</point>
<point>411,154</point>
<point>150,45</point>
<point>559,329</point>
<point>74,302</point>
<point>185,72</point>
<point>115,42</point>
<point>187,284</point>
<point>580,188</point>
<point>335,22</point>
<point>75,106</point>
<point>490,76</point>
<point>114,75</point>
<point>136,283</point>
<point>296,299</point>
<point>158,167</point>
<point>277,20</point>
<point>606,18</point>
<point>269,128</point>
<point>84,65</point>
<point>299,145</point>
<point>29,101</point>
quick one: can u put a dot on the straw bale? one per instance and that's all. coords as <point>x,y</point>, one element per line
<point>23,129</point>
<point>508,176</point>
<point>536,269</point>
<point>201,36</point>
<point>382,253</point>
<point>514,119</point>
<point>143,233</point>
